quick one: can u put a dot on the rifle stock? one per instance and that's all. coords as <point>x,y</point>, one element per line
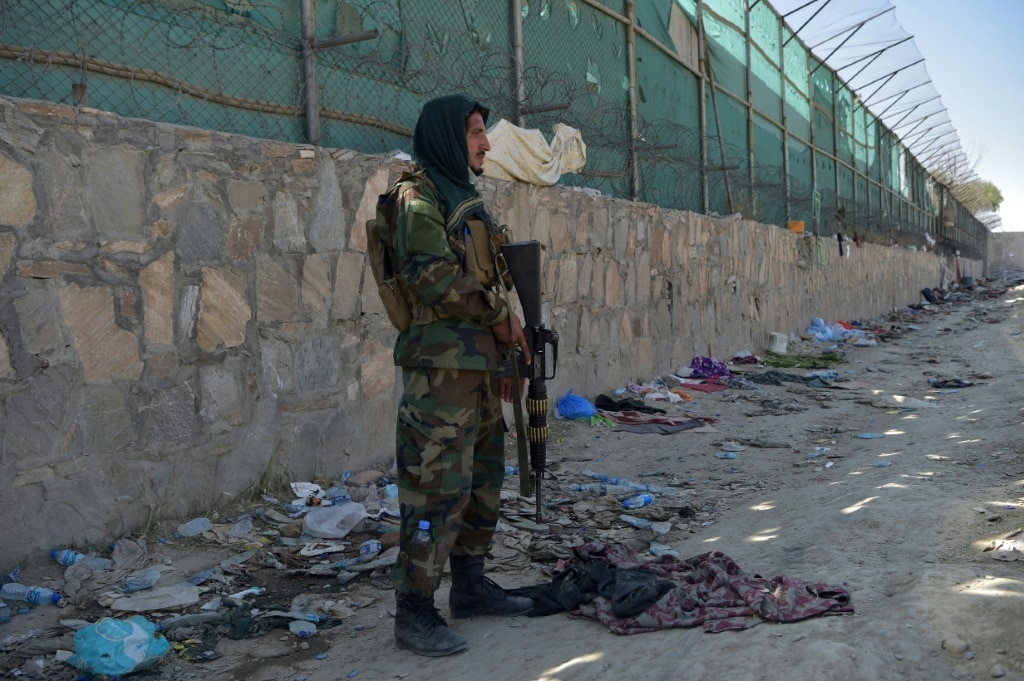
<point>522,261</point>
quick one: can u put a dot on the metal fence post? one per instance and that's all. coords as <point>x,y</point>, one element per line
<point>633,128</point>
<point>309,62</point>
<point>519,58</point>
<point>703,68</point>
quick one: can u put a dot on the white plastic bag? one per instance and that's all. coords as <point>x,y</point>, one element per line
<point>333,522</point>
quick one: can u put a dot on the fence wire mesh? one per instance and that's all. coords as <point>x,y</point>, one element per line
<point>633,88</point>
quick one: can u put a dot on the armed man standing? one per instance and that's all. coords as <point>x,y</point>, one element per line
<point>450,433</point>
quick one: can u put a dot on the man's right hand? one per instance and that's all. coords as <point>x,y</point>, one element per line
<point>510,334</point>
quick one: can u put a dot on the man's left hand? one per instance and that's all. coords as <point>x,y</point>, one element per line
<point>504,386</point>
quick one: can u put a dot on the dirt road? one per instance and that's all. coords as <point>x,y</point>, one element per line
<point>918,524</point>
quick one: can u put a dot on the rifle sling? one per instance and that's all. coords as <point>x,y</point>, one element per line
<point>526,475</point>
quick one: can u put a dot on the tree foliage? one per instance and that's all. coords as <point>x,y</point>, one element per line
<point>981,197</point>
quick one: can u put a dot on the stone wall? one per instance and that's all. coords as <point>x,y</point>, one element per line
<point>1005,252</point>
<point>186,315</point>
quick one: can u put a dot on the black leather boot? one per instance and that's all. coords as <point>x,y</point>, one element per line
<point>420,628</point>
<point>474,594</point>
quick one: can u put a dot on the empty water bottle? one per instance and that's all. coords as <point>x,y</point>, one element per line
<point>511,470</point>
<point>422,537</point>
<point>591,487</point>
<point>368,550</point>
<point>638,501</point>
<point>141,581</point>
<point>69,557</point>
<point>194,527</point>
<point>640,523</point>
<point>36,595</point>
<point>668,491</point>
<point>302,628</point>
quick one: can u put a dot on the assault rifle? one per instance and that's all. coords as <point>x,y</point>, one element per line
<point>522,261</point>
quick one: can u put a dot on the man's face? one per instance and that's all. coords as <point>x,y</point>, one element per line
<point>476,140</point>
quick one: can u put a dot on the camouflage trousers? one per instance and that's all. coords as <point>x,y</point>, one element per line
<point>451,464</point>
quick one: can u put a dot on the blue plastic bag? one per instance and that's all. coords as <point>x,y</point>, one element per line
<point>113,647</point>
<point>575,407</point>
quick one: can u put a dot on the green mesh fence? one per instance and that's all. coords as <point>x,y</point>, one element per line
<point>698,105</point>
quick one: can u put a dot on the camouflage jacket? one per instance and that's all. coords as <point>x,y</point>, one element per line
<point>432,263</point>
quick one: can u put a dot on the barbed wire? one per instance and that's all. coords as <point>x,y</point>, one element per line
<point>237,66</point>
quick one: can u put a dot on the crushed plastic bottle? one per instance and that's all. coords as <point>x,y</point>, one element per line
<point>302,628</point>
<point>659,549</point>
<point>622,483</point>
<point>869,436</point>
<point>241,528</point>
<point>639,501</point>
<point>602,489</point>
<point>369,549</point>
<point>639,523</point>
<point>194,527</point>
<point>511,470</point>
<point>141,581</point>
<point>668,491</point>
<point>70,557</point>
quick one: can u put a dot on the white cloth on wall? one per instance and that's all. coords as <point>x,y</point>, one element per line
<point>524,155</point>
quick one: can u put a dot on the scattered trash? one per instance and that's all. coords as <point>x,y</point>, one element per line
<point>334,522</point>
<point>302,628</point>
<point>639,523</point>
<point>141,581</point>
<point>899,402</point>
<point>726,455</point>
<point>638,501</point>
<point>194,527</point>
<point>869,436</point>
<point>241,528</point>
<point>159,598</point>
<point>659,549</point>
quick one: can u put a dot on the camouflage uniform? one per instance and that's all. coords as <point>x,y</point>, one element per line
<point>449,444</point>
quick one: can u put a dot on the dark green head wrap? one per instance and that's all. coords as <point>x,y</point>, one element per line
<point>439,147</point>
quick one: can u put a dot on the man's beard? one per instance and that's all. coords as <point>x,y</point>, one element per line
<point>476,172</point>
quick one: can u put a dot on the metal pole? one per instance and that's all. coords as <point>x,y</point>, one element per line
<point>633,128</point>
<point>520,59</point>
<point>309,62</point>
<point>750,116</point>
<point>785,125</point>
<point>702,67</point>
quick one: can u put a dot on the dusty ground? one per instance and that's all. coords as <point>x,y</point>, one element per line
<point>909,538</point>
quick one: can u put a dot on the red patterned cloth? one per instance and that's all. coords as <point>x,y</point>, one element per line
<point>710,590</point>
